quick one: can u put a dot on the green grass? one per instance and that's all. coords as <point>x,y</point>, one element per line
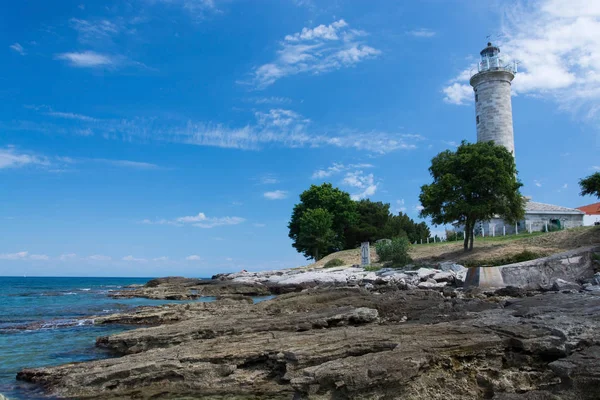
<point>525,255</point>
<point>372,268</point>
<point>336,262</point>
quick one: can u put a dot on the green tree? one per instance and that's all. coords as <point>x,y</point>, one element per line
<point>372,220</point>
<point>590,185</point>
<point>403,225</point>
<point>337,203</point>
<point>315,233</point>
<point>474,183</point>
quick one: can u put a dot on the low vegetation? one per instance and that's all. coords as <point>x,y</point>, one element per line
<point>525,255</point>
<point>336,262</point>
<point>394,251</point>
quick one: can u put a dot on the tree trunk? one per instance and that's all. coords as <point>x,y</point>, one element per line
<point>471,234</point>
<point>466,236</point>
<point>316,254</point>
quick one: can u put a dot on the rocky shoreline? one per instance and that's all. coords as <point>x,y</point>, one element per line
<point>344,333</point>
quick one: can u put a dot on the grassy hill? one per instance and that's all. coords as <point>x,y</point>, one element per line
<point>489,249</point>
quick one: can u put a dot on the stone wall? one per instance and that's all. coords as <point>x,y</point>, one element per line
<point>573,266</point>
<point>493,108</point>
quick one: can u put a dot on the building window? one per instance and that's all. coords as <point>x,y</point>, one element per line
<point>477,119</point>
<point>476,98</point>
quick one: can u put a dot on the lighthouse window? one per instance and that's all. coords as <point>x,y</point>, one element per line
<point>478,119</point>
<point>476,98</point>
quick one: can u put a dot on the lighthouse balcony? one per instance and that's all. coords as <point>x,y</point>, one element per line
<point>495,64</point>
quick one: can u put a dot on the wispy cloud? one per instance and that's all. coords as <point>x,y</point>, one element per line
<point>337,168</point>
<point>276,127</point>
<point>557,44</point>
<point>537,183</point>
<point>400,206</point>
<point>99,257</point>
<point>10,157</point>
<point>274,100</point>
<point>193,258</point>
<point>88,59</point>
<point>134,259</point>
<point>125,163</point>
<point>68,115</point>
<point>365,183</point>
<point>199,220</point>
<point>18,48</point>
<point>93,31</point>
<point>268,179</point>
<point>276,195</point>
<point>422,33</point>
<point>315,50</point>
<point>198,9</point>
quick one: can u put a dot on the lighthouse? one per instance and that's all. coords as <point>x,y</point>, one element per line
<point>493,109</point>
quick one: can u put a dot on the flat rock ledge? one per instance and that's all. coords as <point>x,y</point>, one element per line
<point>350,343</point>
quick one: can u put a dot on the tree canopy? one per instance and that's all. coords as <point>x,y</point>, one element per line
<point>474,183</point>
<point>337,203</point>
<point>327,220</point>
<point>590,185</point>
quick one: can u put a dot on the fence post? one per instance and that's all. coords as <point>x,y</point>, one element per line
<point>428,240</point>
<point>503,230</point>
<point>546,223</point>
<point>517,228</point>
<point>493,230</point>
<point>482,231</point>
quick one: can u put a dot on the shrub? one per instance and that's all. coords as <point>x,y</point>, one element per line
<point>395,251</point>
<point>335,262</point>
<point>372,268</point>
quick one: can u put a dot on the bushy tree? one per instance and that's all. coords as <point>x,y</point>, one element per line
<point>474,183</point>
<point>316,233</point>
<point>334,201</point>
<point>590,185</point>
<point>394,251</point>
<point>403,225</point>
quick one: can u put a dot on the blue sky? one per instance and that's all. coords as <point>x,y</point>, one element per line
<point>173,137</point>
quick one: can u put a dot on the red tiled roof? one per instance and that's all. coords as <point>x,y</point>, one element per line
<point>592,209</point>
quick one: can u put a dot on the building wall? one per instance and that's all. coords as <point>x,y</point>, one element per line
<point>590,220</point>
<point>493,108</point>
<point>537,221</point>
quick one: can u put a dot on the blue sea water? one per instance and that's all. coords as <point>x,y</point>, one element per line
<point>43,322</point>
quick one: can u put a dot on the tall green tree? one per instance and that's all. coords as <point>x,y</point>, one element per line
<point>590,185</point>
<point>474,183</point>
<point>371,225</point>
<point>333,200</point>
<point>402,225</point>
<point>316,233</point>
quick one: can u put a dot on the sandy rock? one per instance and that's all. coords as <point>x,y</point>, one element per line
<point>425,273</point>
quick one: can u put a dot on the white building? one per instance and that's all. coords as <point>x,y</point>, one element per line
<point>592,214</point>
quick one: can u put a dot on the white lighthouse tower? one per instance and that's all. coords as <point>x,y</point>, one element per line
<point>493,108</point>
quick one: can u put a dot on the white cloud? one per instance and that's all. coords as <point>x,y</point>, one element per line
<point>458,93</point>
<point>269,179</point>
<point>18,48</point>
<point>39,257</point>
<point>14,256</point>
<point>336,168</point>
<point>596,167</point>
<point>422,33</point>
<point>419,207</point>
<point>198,9</point>
<point>276,195</point>
<point>400,206</point>
<point>11,158</point>
<point>93,31</point>
<point>67,257</point>
<point>134,259</point>
<point>88,59</point>
<point>537,183</point>
<point>270,100</point>
<point>68,115</point>
<point>193,258</point>
<point>364,182</point>
<point>161,259</point>
<point>199,220</point>
<point>315,50</point>
<point>257,225</point>
<point>99,257</point>
<point>126,163</point>
<point>557,44</point>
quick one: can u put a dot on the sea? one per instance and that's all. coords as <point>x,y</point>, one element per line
<point>45,321</point>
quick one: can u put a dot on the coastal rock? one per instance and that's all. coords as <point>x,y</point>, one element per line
<point>560,284</point>
<point>353,344</point>
<point>443,277</point>
<point>425,273</point>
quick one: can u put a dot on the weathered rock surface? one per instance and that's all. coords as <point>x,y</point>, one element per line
<point>352,344</point>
